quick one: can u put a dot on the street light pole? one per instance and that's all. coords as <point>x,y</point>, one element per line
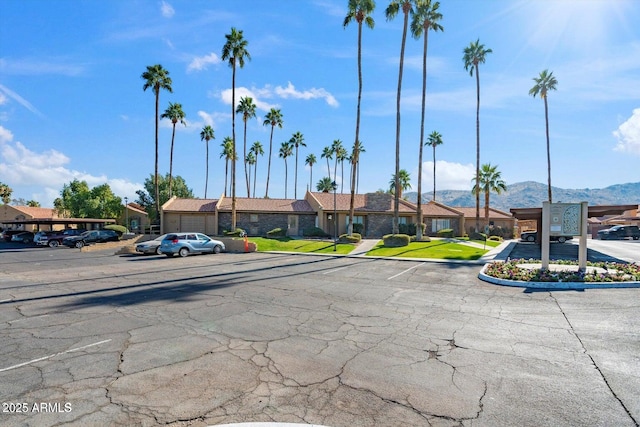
<point>335,217</point>
<point>126,212</point>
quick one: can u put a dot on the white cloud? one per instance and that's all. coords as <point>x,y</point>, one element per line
<point>200,63</point>
<point>167,10</point>
<point>628,134</point>
<point>449,176</point>
<point>313,93</point>
<point>5,135</point>
<point>5,91</point>
<point>255,94</point>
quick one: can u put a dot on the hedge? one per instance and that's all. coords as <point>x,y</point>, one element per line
<point>446,232</point>
<point>396,240</point>
<point>345,238</point>
<point>277,232</point>
<point>314,232</point>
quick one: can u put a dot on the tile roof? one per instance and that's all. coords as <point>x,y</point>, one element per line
<point>435,209</point>
<point>191,205</point>
<point>37,212</point>
<point>370,202</point>
<point>244,204</point>
<point>493,213</point>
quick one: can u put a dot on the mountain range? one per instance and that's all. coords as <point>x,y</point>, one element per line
<point>530,194</point>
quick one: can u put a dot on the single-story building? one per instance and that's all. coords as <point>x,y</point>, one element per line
<point>11,214</point>
<point>198,215</point>
<point>497,218</point>
<point>134,217</point>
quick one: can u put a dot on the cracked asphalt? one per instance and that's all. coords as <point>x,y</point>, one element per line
<point>97,339</point>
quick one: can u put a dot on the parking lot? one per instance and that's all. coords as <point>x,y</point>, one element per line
<point>94,339</point>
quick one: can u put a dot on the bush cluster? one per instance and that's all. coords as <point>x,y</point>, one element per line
<point>396,240</point>
<point>315,232</point>
<point>447,232</point>
<point>276,232</point>
<point>235,233</point>
<point>120,229</point>
<point>345,238</point>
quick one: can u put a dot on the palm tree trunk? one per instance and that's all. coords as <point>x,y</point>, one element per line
<point>486,207</point>
<point>206,176</point>
<point>424,97</point>
<point>233,136</point>
<point>266,193</point>
<point>173,135</point>
<point>285,178</point>
<point>546,119</point>
<point>295,180</point>
<point>226,174</point>
<point>342,177</point>
<point>477,182</point>
<point>328,169</point>
<point>255,174</point>
<point>246,174</point>
<point>157,90</point>
<point>396,199</point>
<point>354,155</point>
<point>310,177</point>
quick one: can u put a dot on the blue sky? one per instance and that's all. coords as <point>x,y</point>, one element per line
<point>72,104</point>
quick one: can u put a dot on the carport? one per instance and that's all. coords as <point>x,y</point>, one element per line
<point>535,214</point>
<point>63,221</point>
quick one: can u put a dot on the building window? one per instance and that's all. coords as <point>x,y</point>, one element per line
<point>253,218</point>
<point>402,220</point>
<point>357,219</point>
<point>440,224</point>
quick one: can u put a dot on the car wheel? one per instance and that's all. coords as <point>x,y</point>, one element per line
<point>79,244</point>
<point>531,239</point>
<point>158,251</point>
<point>217,249</point>
<point>53,244</point>
<point>562,239</point>
<point>183,252</point>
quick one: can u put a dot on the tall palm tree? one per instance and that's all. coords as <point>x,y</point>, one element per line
<point>341,156</point>
<point>360,11</point>
<point>311,160</point>
<point>544,83</point>
<point>325,185</point>
<point>156,78</point>
<point>433,141</point>
<point>297,140</point>
<point>227,153</point>
<point>247,108</point>
<point>403,178</point>
<point>490,180</point>
<point>175,114</point>
<point>286,150</point>
<point>425,18</point>
<point>327,153</point>
<point>356,150</point>
<point>206,135</point>
<point>250,160</point>
<point>235,51</point>
<point>391,12</point>
<point>335,148</point>
<point>257,150</point>
<point>273,118</point>
<point>476,54</point>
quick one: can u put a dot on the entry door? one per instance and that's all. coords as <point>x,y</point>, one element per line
<point>293,225</point>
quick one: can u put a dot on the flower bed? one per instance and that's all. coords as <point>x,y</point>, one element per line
<point>601,272</point>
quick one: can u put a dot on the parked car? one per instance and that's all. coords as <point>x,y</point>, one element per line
<point>532,236</point>
<point>8,234</point>
<point>24,237</point>
<point>40,235</point>
<point>55,239</point>
<point>184,244</point>
<point>151,246</point>
<point>92,236</point>
<point>620,232</point>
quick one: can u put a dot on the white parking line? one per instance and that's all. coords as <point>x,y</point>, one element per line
<point>402,272</point>
<point>53,355</point>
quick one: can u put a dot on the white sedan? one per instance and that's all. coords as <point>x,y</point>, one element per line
<point>151,246</point>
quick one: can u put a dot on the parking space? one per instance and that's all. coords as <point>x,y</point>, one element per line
<point>133,340</point>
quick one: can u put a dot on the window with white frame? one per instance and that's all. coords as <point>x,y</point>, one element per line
<point>438,224</point>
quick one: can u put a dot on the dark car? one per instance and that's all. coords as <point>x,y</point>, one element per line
<point>532,236</point>
<point>55,238</point>
<point>92,236</point>
<point>24,237</point>
<point>620,232</point>
<point>6,235</point>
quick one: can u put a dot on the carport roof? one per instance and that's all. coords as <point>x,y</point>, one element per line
<point>594,211</point>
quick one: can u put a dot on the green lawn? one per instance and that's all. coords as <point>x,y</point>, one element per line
<point>297,245</point>
<point>437,249</point>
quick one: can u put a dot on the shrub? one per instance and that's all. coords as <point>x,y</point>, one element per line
<point>495,238</point>
<point>120,229</point>
<point>445,232</point>
<point>238,232</point>
<point>276,232</point>
<point>314,232</point>
<point>345,238</point>
<point>396,240</point>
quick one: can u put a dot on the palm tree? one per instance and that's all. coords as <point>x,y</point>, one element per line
<point>434,140</point>
<point>235,51</point>
<point>490,180</point>
<point>544,83</point>
<point>425,18</point>
<point>360,11</point>
<point>391,11</point>
<point>174,113</point>
<point>205,135</point>
<point>273,118</point>
<point>335,148</point>
<point>403,179</point>
<point>227,153</point>
<point>286,150</point>
<point>311,160</point>
<point>257,150</point>
<point>156,78</point>
<point>5,193</point>
<point>297,140</point>
<point>325,185</point>
<point>250,160</point>
<point>247,108</point>
<point>327,153</point>
<point>474,55</point>
<point>341,156</point>
<point>357,148</point>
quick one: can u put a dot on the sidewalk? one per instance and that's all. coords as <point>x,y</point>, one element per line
<point>365,246</point>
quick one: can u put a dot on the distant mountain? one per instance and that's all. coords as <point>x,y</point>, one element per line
<point>530,194</point>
